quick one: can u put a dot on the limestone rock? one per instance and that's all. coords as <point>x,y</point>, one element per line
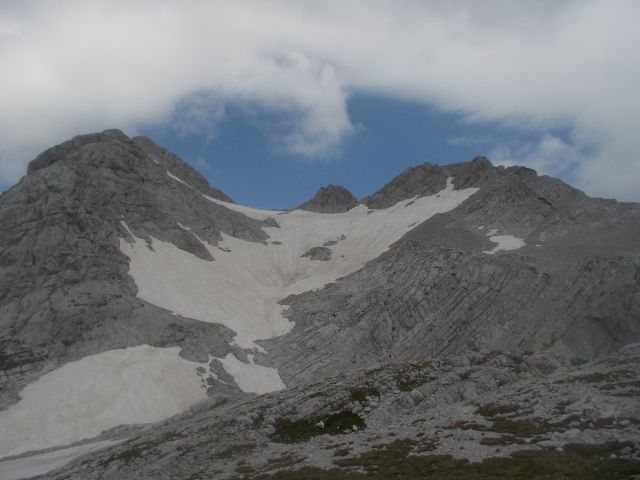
<point>330,199</point>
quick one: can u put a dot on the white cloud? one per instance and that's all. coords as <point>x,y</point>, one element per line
<point>80,65</point>
<point>550,154</point>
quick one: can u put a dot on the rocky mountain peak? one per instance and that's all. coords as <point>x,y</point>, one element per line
<point>63,150</point>
<point>424,179</point>
<point>331,199</point>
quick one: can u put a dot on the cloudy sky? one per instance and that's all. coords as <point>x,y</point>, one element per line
<point>272,99</point>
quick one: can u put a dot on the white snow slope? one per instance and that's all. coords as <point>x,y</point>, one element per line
<point>79,400</point>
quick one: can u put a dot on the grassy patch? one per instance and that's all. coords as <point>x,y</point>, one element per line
<point>360,394</point>
<point>519,428</point>
<point>578,361</point>
<point>285,460</point>
<point>600,377</point>
<point>395,461</point>
<point>341,452</point>
<point>491,410</point>
<point>139,450</point>
<point>288,431</point>
<point>411,377</point>
<point>234,451</point>
<point>467,374</point>
<point>501,440</point>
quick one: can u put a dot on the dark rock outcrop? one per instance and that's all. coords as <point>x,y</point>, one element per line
<point>318,253</point>
<point>330,199</point>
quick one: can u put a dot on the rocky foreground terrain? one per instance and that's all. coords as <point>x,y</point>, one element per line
<point>500,415</point>
<point>465,321</point>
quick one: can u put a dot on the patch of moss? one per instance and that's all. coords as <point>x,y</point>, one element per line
<point>578,361</point>
<point>600,377</point>
<point>412,376</point>
<point>288,431</point>
<point>520,428</point>
<point>501,440</point>
<point>627,384</point>
<point>234,451</point>
<point>491,410</point>
<point>360,394</point>
<point>341,452</point>
<point>127,456</point>
<point>244,469</point>
<point>467,374</point>
<point>287,459</point>
<point>138,450</point>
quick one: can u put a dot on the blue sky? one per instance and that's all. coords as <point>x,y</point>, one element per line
<point>271,100</point>
<point>390,135</point>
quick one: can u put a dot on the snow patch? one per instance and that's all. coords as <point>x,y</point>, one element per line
<point>505,242</point>
<point>81,399</point>
<point>39,464</point>
<point>227,291</point>
<point>250,377</point>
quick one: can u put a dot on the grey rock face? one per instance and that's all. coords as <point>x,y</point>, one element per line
<point>330,199</point>
<point>425,179</point>
<point>179,168</point>
<point>429,179</point>
<point>416,303</point>
<point>572,288</point>
<point>318,253</point>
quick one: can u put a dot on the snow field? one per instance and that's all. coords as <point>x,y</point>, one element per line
<point>81,399</point>
<point>242,287</point>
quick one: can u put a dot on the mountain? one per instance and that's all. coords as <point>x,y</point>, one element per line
<point>330,199</point>
<point>154,328</point>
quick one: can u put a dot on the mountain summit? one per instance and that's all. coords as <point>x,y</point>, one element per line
<point>330,199</point>
<point>459,309</point>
